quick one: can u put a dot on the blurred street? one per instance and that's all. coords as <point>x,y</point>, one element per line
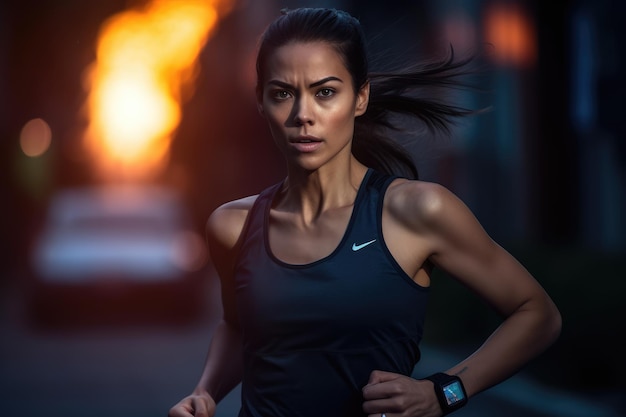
<point>544,171</point>
<point>143,370</point>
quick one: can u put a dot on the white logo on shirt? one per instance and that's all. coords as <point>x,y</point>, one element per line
<point>356,247</point>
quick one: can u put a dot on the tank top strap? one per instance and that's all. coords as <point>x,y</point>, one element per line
<point>258,214</point>
<point>367,223</point>
<point>380,181</point>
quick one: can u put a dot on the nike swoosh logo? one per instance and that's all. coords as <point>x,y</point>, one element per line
<point>356,247</point>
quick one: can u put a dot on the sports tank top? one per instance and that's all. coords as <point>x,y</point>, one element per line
<point>313,333</point>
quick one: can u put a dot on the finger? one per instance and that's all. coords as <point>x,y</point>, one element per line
<point>379,415</point>
<point>377,377</point>
<point>380,385</point>
<point>376,406</point>
<point>180,411</point>
<point>200,408</point>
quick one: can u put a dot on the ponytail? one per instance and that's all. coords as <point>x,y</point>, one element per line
<point>407,92</point>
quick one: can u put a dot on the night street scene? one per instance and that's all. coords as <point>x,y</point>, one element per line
<point>111,169</point>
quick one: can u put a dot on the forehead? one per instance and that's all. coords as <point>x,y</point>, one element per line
<point>311,60</point>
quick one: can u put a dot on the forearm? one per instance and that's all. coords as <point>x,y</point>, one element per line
<point>223,367</point>
<point>521,337</point>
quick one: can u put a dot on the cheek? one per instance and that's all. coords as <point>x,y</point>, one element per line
<point>275,114</point>
<point>276,128</point>
<point>342,119</point>
<point>275,122</point>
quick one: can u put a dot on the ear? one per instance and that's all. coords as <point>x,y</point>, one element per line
<point>362,99</point>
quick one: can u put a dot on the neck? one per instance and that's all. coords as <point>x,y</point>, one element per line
<point>322,189</point>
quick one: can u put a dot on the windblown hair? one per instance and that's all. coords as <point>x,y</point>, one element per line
<point>405,92</point>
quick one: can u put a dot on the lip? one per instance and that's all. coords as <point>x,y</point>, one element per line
<point>305,144</point>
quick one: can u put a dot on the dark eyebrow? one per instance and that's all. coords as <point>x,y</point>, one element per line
<point>312,85</point>
<point>324,81</point>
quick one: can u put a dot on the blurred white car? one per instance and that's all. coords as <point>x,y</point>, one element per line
<point>119,253</point>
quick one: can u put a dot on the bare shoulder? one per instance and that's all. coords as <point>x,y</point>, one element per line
<point>435,213</point>
<point>226,222</point>
<point>421,203</point>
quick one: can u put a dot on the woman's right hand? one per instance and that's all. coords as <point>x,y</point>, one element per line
<point>194,405</point>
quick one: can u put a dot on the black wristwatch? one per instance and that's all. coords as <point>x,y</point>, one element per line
<point>450,391</point>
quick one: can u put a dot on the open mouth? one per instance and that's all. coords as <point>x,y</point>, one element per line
<point>306,144</point>
<point>305,139</point>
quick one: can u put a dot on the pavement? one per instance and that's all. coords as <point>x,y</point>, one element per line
<point>519,396</point>
<point>143,370</point>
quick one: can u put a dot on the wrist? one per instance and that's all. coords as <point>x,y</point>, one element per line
<point>201,391</point>
<point>449,390</point>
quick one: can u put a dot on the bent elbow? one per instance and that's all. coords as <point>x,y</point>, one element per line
<point>553,324</point>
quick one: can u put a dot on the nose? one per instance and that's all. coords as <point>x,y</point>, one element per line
<point>302,112</point>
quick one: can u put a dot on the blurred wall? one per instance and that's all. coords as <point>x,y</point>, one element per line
<point>545,164</point>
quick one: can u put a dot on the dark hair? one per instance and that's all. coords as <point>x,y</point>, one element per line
<point>391,93</point>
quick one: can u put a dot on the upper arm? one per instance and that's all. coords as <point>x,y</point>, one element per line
<point>458,244</point>
<point>224,229</point>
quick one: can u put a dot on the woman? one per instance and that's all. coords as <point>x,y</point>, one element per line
<point>325,275</point>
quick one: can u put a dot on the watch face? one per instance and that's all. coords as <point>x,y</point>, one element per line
<point>453,392</point>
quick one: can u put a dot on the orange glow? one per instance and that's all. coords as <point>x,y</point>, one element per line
<point>190,252</point>
<point>509,28</point>
<point>146,65</point>
<point>35,137</point>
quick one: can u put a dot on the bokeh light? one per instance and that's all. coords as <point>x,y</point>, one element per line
<point>147,62</point>
<point>509,28</point>
<point>35,137</point>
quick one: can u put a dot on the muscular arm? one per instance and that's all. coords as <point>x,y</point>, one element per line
<point>460,246</point>
<point>425,223</point>
<point>223,366</point>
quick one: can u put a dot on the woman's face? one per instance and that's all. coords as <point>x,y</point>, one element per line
<point>309,102</point>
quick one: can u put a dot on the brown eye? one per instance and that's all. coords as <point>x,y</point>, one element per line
<point>326,92</point>
<point>281,95</point>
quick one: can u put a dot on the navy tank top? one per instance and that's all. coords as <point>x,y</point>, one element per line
<point>313,333</point>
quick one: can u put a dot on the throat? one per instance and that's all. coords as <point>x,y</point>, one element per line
<point>296,241</point>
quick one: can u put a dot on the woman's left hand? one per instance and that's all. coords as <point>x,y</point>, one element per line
<point>398,395</point>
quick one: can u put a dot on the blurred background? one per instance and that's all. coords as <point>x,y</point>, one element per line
<point>123,124</point>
